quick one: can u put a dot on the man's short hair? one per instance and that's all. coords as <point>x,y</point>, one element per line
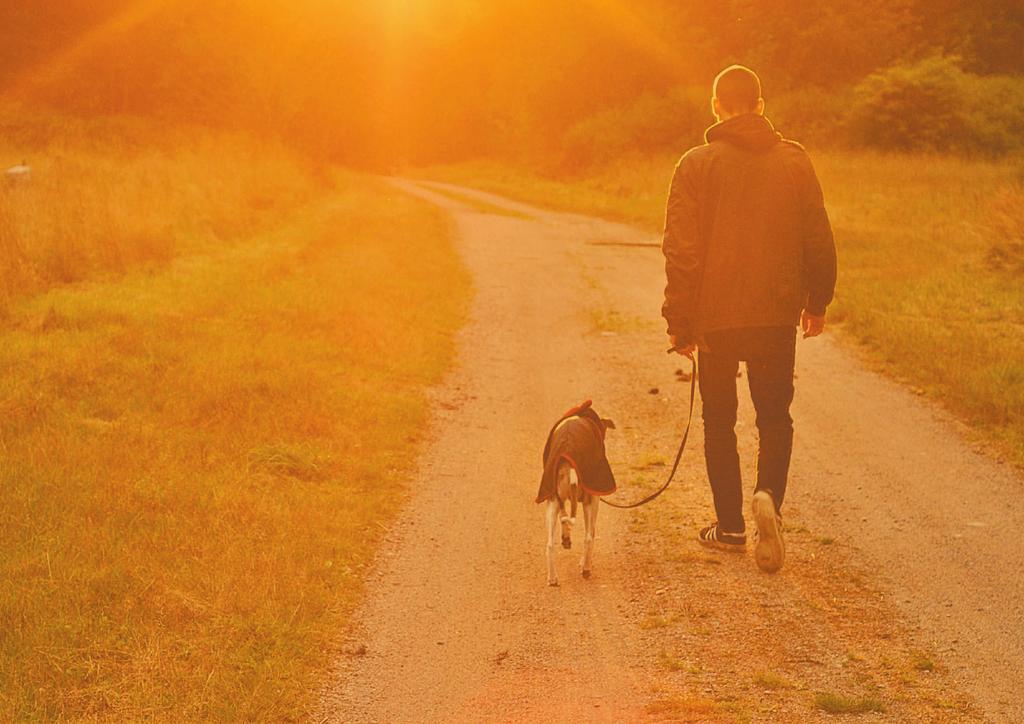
<point>737,89</point>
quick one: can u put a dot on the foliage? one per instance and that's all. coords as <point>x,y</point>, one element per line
<point>915,107</point>
<point>934,105</point>
<point>797,44</point>
<point>985,33</point>
<point>654,123</point>
<point>814,116</point>
<point>379,83</point>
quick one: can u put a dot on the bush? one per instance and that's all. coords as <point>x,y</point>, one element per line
<point>814,116</point>
<point>651,124</point>
<point>996,112</point>
<point>935,105</point>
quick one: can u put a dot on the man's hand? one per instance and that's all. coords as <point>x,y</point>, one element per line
<point>686,351</point>
<point>812,325</point>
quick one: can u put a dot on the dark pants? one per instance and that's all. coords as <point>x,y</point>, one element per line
<point>769,353</point>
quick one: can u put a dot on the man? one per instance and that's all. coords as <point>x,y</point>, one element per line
<point>749,255</point>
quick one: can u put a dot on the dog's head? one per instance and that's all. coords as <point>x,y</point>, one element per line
<point>586,409</point>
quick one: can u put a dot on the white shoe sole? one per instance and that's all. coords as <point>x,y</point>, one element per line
<point>770,551</point>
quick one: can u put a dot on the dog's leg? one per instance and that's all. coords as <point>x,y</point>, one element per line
<point>552,513</point>
<point>566,480</point>
<point>590,506</point>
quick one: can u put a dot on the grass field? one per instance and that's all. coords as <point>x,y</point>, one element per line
<point>212,367</point>
<point>931,264</point>
<point>111,195</point>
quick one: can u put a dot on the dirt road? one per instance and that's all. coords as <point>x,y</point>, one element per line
<point>901,598</point>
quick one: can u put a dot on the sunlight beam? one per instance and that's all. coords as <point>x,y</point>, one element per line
<point>65,61</point>
<point>634,28</point>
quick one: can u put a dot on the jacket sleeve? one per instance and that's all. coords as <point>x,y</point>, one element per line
<point>681,247</point>
<point>819,248</point>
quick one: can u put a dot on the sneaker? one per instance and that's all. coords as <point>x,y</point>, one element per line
<point>714,537</point>
<point>769,549</point>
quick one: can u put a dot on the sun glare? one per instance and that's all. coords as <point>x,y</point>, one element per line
<point>67,60</point>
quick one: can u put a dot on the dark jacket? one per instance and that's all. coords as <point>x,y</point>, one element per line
<point>580,442</point>
<point>747,241</point>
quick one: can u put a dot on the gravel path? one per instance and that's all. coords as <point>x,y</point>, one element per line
<point>458,624</point>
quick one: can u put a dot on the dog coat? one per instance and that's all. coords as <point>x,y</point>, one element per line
<point>580,442</point>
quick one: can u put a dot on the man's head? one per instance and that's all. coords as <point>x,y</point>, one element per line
<point>737,90</point>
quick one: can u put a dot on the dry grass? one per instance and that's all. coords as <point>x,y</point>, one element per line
<point>687,709</point>
<point>194,453</point>
<point>923,662</point>
<point>108,197</point>
<point>768,680</point>
<point>1005,226</point>
<point>840,704</point>
<point>929,252</point>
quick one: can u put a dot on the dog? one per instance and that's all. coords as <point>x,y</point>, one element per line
<point>575,470</point>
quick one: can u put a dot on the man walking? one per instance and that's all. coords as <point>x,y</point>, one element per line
<point>749,255</point>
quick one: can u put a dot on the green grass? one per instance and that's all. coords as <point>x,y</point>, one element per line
<point>768,680</point>
<point>687,709</point>
<point>675,663</point>
<point>194,459</point>
<point>922,662</point>
<point>658,620</point>
<point>931,281</point>
<point>839,704</point>
<point>603,320</point>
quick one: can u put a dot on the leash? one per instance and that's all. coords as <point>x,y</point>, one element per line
<point>679,453</point>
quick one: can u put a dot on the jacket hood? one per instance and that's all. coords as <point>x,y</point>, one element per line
<point>750,131</point>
